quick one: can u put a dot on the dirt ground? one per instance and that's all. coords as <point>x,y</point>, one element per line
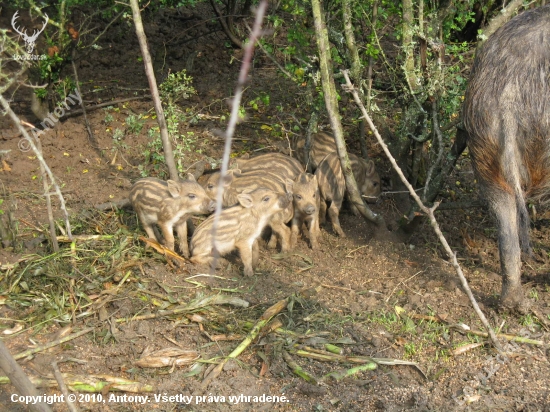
<point>371,297</point>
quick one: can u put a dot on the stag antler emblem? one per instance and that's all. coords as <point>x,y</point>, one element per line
<point>29,40</point>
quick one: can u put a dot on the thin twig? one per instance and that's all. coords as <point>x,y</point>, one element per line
<point>234,118</point>
<point>429,212</point>
<point>439,135</point>
<point>63,387</point>
<point>51,344</point>
<point>47,194</point>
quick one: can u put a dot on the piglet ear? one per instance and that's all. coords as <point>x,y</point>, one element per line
<point>289,186</point>
<point>228,178</point>
<point>174,188</point>
<point>191,177</point>
<point>245,200</point>
<point>369,167</point>
<point>303,178</point>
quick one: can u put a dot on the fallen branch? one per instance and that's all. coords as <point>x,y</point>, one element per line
<point>461,329</point>
<point>167,357</point>
<point>82,238</point>
<point>51,344</point>
<point>89,383</point>
<point>297,369</point>
<point>100,105</point>
<point>509,338</point>
<point>324,356</point>
<point>346,373</point>
<point>194,305</point>
<point>264,320</point>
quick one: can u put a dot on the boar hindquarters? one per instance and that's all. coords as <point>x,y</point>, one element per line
<point>507,117</point>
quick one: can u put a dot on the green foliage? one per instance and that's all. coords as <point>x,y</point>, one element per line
<point>176,87</point>
<point>134,124</point>
<point>108,118</point>
<point>41,93</point>
<point>262,100</point>
<point>50,67</point>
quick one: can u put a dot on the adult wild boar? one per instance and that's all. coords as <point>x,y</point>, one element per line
<point>507,116</point>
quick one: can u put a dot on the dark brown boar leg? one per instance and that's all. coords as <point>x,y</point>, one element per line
<point>504,207</point>
<point>333,212</point>
<point>156,234</point>
<point>283,233</point>
<point>190,227</point>
<point>181,230</point>
<point>524,222</point>
<point>322,211</point>
<point>272,244</point>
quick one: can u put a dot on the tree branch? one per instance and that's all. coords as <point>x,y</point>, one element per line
<point>427,211</point>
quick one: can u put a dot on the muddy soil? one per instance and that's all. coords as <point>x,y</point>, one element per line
<point>373,297</point>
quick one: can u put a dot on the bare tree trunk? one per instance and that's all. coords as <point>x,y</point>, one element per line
<point>166,144</point>
<point>226,28</point>
<point>355,67</point>
<point>18,379</point>
<point>371,59</point>
<point>408,46</point>
<point>352,46</point>
<point>331,102</point>
<point>312,124</point>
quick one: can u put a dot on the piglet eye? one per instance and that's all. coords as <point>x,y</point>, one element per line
<point>210,186</point>
<point>266,199</point>
<point>298,197</point>
<point>314,195</point>
<point>191,196</point>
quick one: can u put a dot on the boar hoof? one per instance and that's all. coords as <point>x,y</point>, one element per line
<point>339,232</point>
<point>248,272</point>
<point>272,243</point>
<point>293,241</point>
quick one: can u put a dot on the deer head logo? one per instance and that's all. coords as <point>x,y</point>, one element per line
<point>29,40</point>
